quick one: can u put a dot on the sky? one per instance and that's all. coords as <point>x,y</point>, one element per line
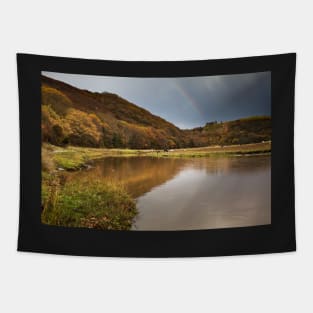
<point>187,102</point>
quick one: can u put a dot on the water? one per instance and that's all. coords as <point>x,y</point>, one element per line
<point>198,193</point>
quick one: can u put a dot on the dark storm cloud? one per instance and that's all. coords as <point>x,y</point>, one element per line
<point>231,96</point>
<point>189,101</point>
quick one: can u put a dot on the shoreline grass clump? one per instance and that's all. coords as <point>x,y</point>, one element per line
<point>96,204</point>
<point>69,158</point>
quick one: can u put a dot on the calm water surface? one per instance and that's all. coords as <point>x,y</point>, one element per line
<point>199,193</point>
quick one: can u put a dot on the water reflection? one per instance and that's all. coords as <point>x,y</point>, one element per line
<point>138,174</point>
<point>200,193</point>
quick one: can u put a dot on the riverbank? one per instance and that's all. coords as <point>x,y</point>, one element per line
<point>73,158</point>
<point>95,203</point>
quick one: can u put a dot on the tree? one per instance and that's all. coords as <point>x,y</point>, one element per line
<point>117,141</point>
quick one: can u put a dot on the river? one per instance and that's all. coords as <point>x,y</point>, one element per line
<point>196,193</point>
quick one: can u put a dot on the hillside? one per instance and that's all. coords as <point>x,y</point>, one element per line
<point>83,118</point>
<point>79,117</point>
<point>242,131</point>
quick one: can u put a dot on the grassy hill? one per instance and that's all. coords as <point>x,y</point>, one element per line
<point>71,116</point>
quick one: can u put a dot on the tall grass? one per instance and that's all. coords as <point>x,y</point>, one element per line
<point>96,204</point>
<point>47,161</point>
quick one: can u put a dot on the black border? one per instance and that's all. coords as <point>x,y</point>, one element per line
<point>277,237</point>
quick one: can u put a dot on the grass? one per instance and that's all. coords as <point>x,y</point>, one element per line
<point>234,150</point>
<point>96,204</point>
<point>73,158</point>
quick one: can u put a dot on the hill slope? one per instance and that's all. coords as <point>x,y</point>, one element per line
<point>242,131</point>
<point>83,118</point>
<point>80,117</point>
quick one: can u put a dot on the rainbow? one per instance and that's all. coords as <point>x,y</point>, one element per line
<point>189,98</point>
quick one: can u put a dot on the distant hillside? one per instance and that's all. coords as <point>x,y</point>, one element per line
<point>241,131</point>
<point>83,118</point>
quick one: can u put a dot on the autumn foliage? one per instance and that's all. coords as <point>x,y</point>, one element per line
<point>71,116</point>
